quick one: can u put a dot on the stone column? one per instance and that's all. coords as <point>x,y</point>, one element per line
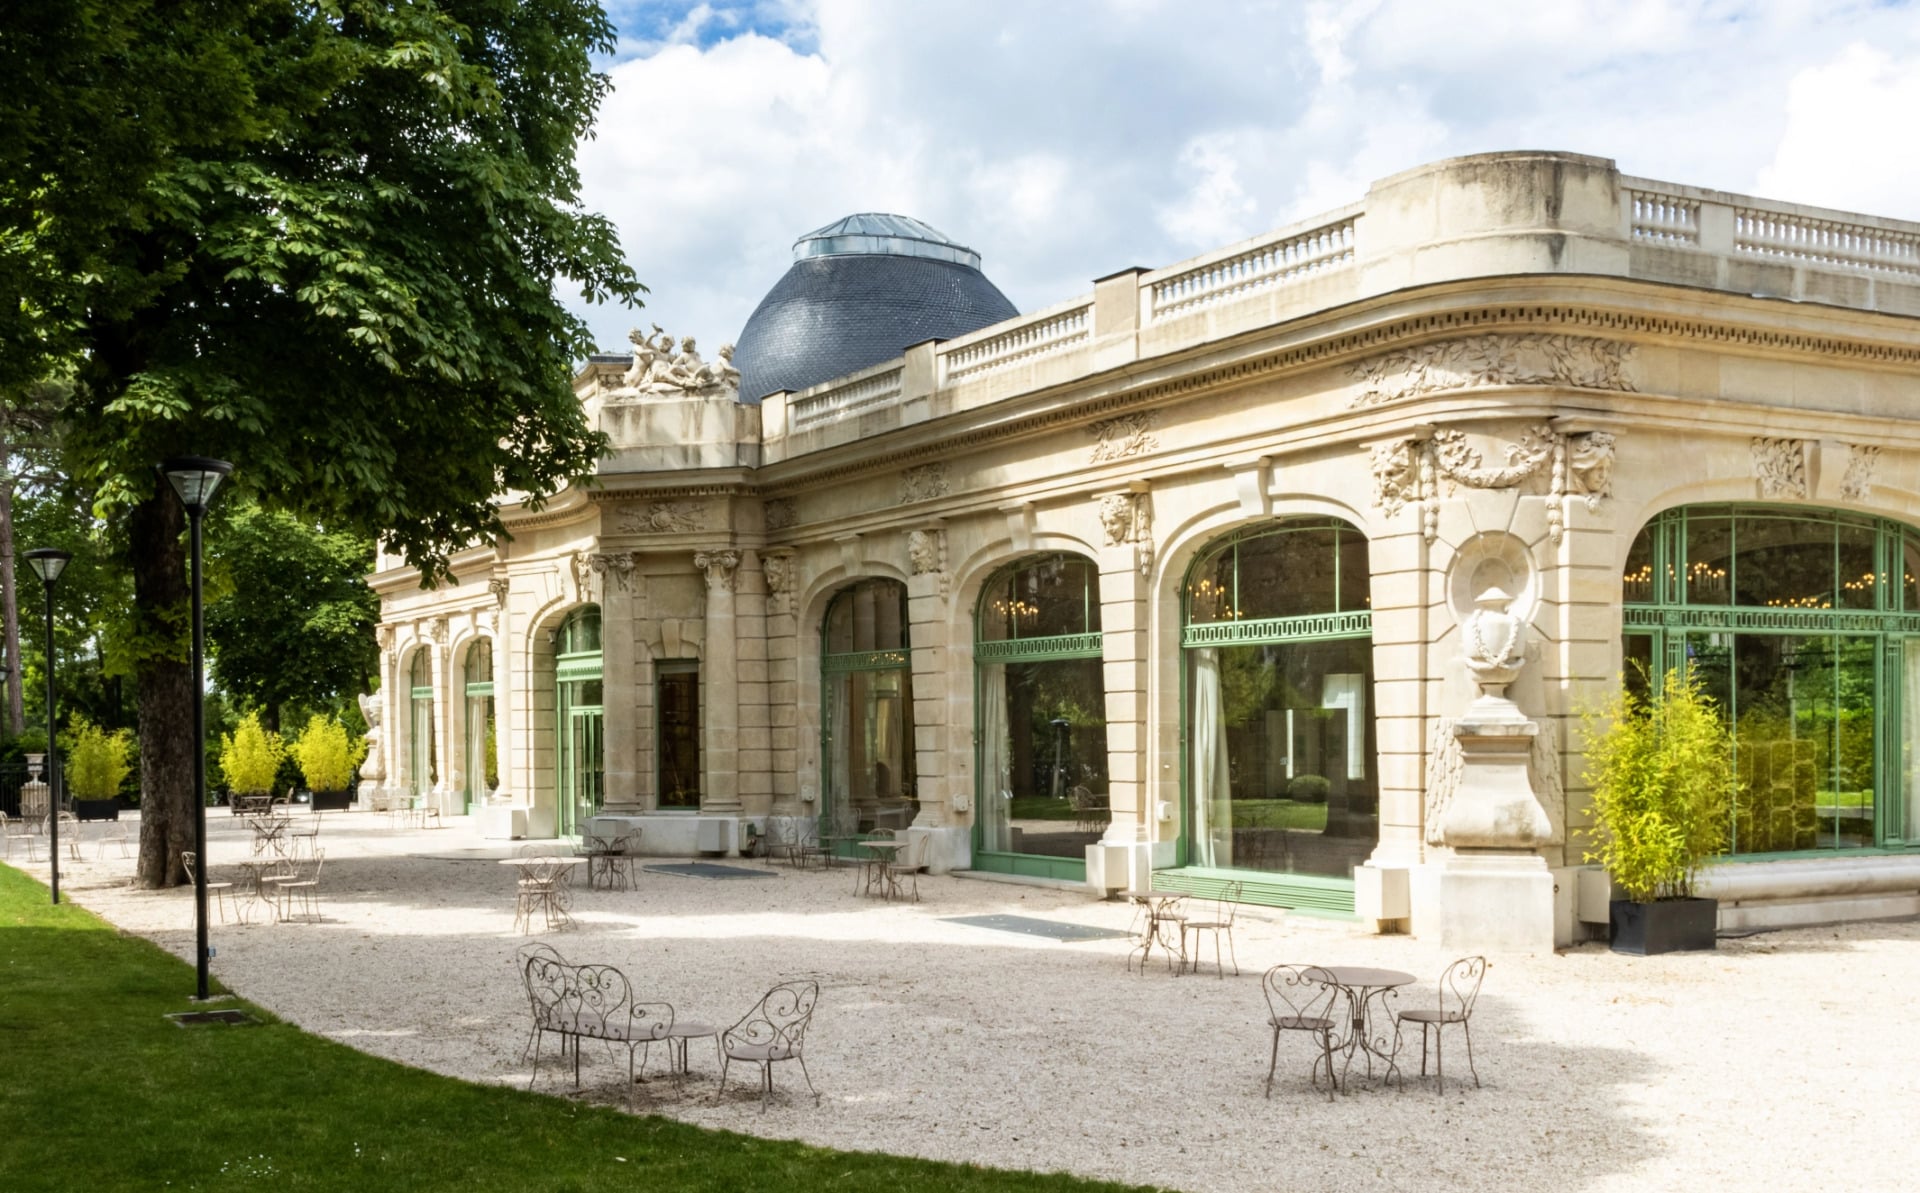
<point>618,650</point>
<point>720,727</point>
<point>1403,610</point>
<point>939,788</point>
<point>755,744</point>
<point>1123,858</point>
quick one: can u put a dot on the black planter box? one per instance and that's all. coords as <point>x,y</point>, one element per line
<point>96,809</point>
<point>1668,926</point>
<point>332,801</point>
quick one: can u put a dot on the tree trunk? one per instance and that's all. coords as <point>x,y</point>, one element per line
<point>10,611</point>
<point>164,689</point>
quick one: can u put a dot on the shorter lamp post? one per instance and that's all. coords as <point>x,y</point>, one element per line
<point>195,478</point>
<point>47,563</point>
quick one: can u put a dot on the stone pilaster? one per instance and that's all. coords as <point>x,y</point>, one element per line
<point>755,762</point>
<point>720,728</point>
<point>927,631</point>
<point>447,786</point>
<point>618,662</point>
<point>783,693</point>
<point>1123,621</point>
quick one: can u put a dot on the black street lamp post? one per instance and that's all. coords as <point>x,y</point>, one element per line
<point>47,563</point>
<point>195,478</point>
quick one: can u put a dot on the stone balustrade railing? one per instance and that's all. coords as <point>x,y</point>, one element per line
<point>1741,226</point>
<point>1276,261</point>
<point>847,399</point>
<point>1016,342</point>
<point>1486,216</point>
<point>1822,242</point>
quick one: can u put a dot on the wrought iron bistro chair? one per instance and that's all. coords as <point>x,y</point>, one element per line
<point>304,885</point>
<point>1218,920</point>
<point>1459,990</point>
<point>1299,999</point>
<point>216,891</point>
<point>545,885</point>
<point>590,1002</point>
<point>524,954</point>
<point>773,1031</point>
<point>12,830</point>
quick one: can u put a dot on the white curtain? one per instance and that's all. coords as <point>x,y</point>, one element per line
<point>1910,734</point>
<point>840,762</point>
<point>1212,817</point>
<point>996,761</point>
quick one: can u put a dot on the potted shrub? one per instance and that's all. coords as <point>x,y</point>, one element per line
<point>327,756</point>
<point>249,759</point>
<point>97,764</point>
<point>1659,768</point>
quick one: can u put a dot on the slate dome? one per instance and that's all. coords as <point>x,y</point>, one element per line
<point>860,291</point>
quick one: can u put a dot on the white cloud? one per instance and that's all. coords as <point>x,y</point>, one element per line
<point>1066,140</point>
<point>1849,135</point>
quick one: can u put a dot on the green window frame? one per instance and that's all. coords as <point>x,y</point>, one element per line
<point>1006,627</point>
<point>579,718</point>
<point>880,646</point>
<point>1216,598</point>
<point>1679,607</point>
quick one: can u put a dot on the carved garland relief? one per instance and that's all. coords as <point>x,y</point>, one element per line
<point>924,483</point>
<point>1857,484</point>
<point>665,517</point>
<point>1410,471</point>
<point>1506,359</point>
<point>1126,435</point>
<point>1780,466</point>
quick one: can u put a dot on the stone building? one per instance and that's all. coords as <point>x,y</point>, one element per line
<point>1291,564</point>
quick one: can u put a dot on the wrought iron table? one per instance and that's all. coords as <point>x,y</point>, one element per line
<point>1161,916</point>
<point>1365,986</point>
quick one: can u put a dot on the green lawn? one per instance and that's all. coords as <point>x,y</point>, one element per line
<point>1280,813</point>
<point>101,1093</point>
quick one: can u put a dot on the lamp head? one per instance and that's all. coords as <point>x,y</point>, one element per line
<point>48,562</point>
<point>195,478</point>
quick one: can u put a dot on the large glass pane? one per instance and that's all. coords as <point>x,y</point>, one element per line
<point>1638,665</point>
<point>870,760</point>
<point>1283,765</point>
<point>1288,574</point>
<point>1784,563</point>
<point>1356,581</point>
<point>1636,580</point>
<point>1782,742</point>
<point>1840,713</point>
<point>1709,559</point>
<point>1043,597</point>
<point>483,775</point>
<point>425,766</point>
<point>1910,571</point>
<point>1853,546</point>
<point>870,615</point>
<point>677,713</point>
<point>1045,757</point>
<point>580,633</point>
<point>1210,588</point>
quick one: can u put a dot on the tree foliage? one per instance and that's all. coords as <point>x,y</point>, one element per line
<point>1660,771</point>
<point>318,238</point>
<point>291,619</point>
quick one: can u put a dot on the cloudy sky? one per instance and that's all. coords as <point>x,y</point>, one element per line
<point>1067,139</point>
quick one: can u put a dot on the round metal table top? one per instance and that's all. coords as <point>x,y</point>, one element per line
<point>1365,975</point>
<point>1154,896</point>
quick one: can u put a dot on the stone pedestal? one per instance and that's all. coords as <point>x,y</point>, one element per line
<point>1495,895</point>
<point>1494,903</point>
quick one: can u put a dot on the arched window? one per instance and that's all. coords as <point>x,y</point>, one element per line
<point>1043,789</point>
<point>423,769</point>
<point>1804,624</point>
<point>483,773</point>
<point>1281,773</point>
<point>866,680</point>
<point>580,718</point>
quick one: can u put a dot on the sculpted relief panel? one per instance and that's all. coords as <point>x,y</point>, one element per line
<point>1414,471</point>
<point>1469,362</point>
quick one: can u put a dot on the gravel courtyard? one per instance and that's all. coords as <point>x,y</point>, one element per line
<point>1787,1059</point>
